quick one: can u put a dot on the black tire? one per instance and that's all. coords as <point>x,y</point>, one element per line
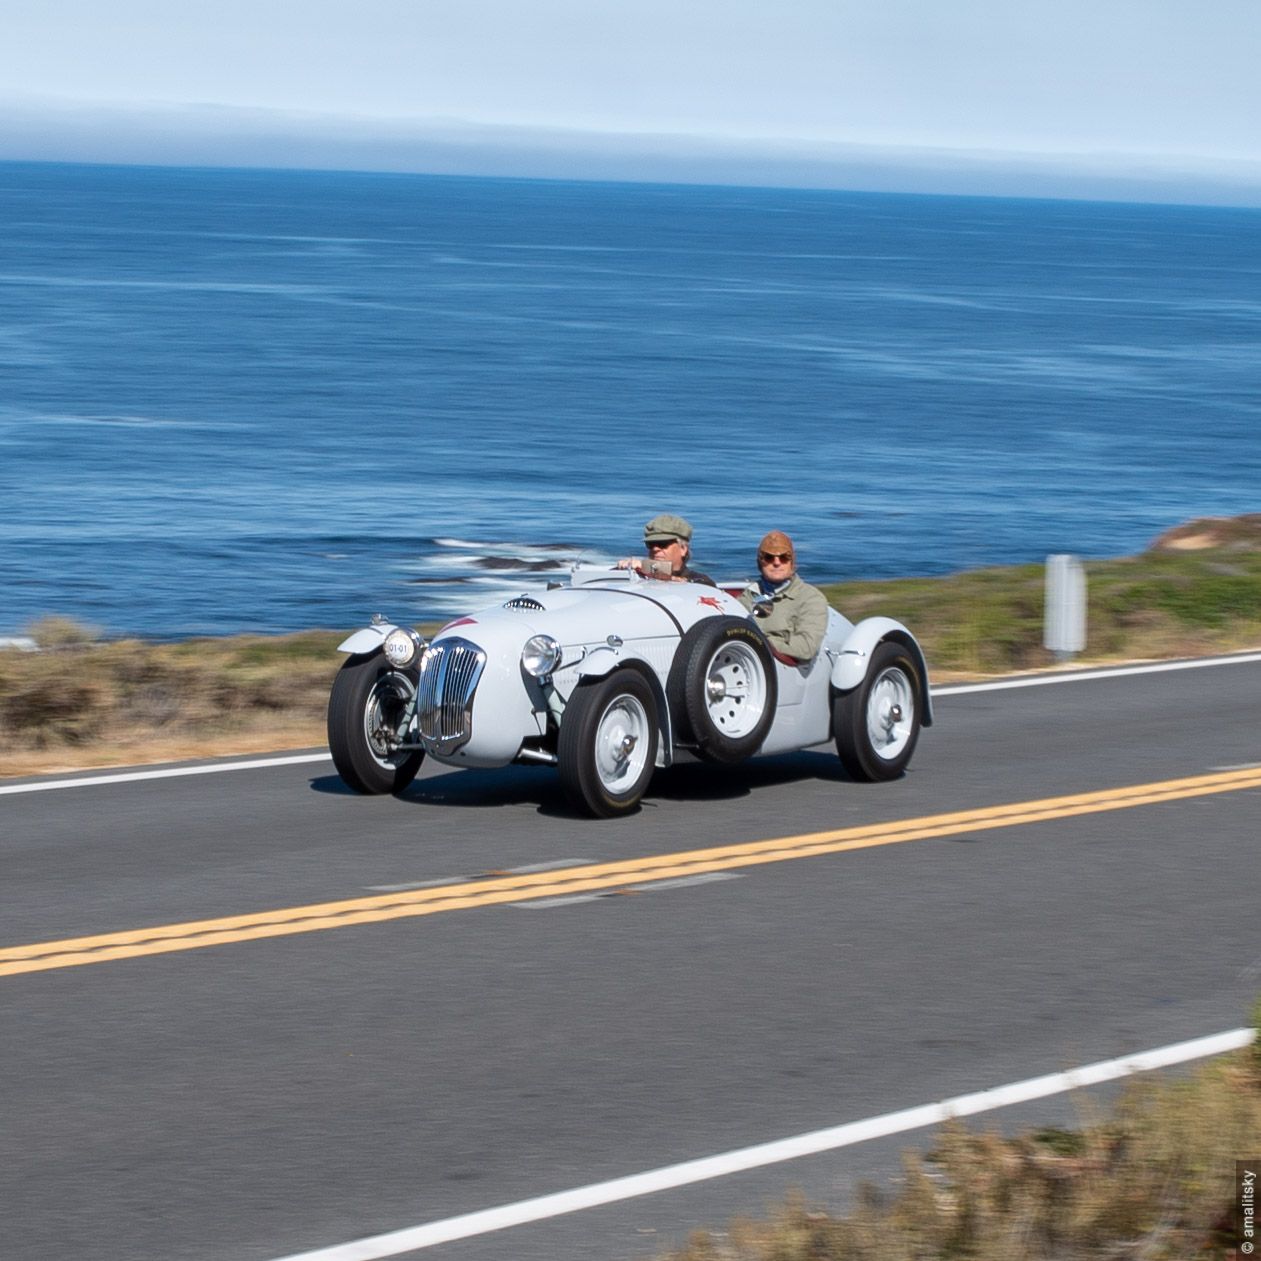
<point>873,740</point>
<point>598,773</point>
<point>728,728</point>
<point>370,696</point>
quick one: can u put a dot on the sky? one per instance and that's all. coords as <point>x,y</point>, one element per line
<point>1157,97</point>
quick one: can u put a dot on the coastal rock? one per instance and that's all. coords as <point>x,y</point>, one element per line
<point>516,564</point>
<point>1235,533</point>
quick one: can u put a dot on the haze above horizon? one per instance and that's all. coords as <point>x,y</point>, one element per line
<point>1136,100</point>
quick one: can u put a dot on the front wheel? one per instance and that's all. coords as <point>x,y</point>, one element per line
<point>877,723</point>
<point>608,743</point>
<point>367,710</point>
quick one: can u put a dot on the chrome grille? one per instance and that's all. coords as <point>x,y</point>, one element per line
<point>524,602</point>
<point>449,672</point>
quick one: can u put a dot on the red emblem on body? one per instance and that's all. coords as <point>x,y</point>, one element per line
<point>459,621</point>
<point>712,600</point>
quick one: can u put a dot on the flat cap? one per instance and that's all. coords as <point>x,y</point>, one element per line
<point>664,528</point>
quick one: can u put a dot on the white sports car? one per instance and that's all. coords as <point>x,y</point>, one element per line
<point>612,676</point>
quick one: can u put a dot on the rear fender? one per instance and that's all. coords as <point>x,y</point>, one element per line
<point>850,666</point>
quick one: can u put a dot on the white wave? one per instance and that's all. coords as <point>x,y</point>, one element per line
<point>466,544</point>
<point>526,552</point>
<point>125,421</point>
<point>535,247</point>
<point>478,593</point>
<point>19,279</point>
<point>448,564</point>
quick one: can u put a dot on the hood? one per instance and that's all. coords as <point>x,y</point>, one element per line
<point>594,611</point>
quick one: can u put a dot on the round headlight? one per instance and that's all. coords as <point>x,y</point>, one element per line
<point>402,646</point>
<point>540,656</point>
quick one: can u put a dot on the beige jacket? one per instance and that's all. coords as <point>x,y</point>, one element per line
<point>796,620</point>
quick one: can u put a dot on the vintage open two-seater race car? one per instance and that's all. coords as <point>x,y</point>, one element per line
<point>610,678</point>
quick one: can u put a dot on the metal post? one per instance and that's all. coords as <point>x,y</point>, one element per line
<point>1065,627</point>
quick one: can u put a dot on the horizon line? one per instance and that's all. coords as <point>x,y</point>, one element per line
<point>262,167</point>
<point>193,136</point>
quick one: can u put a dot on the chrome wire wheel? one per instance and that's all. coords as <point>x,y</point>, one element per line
<point>384,711</point>
<point>735,690</point>
<point>623,742</point>
<point>367,714</point>
<point>890,713</point>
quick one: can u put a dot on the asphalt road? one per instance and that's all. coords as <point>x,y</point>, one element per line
<point>255,1099</point>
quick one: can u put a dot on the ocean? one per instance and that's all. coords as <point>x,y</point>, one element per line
<point>262,400</point>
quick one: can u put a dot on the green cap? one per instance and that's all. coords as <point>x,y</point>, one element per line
<point>666,527</point>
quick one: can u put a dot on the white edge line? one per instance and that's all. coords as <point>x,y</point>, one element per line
<point>174,772</point>
<point>686,882</point>
<point>170,772</point>
<point>572,899</point>
<point>671,1176</point>
<point>548,904</point>
<point>1085,676</point>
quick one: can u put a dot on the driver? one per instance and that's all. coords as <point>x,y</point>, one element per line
<point>669,542</point>
<point>791,613</point>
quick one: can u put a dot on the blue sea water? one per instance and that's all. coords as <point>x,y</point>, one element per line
<point>273,400</point>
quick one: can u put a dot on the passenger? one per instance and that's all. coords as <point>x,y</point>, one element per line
<point>791,613</point>
<point>669,542</point>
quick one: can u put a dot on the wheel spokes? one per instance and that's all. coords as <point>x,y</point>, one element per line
<point>386,708</point>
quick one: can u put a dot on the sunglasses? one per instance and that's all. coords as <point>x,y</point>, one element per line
<point>657,543</point>
<point>771,558</point>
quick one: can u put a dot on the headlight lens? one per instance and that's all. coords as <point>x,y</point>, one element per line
<point>402,646</point>
<point>540,656</point>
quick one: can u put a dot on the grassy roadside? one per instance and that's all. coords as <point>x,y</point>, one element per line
<point>86,702</point>
<point>1166,602</point>
<point>1154,1180</point>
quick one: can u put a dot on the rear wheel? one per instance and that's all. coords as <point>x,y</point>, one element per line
<point>367,710</point>
<point>608,743</point>
<point>877,723</point>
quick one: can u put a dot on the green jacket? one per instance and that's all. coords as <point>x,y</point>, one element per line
<point>796,620</point>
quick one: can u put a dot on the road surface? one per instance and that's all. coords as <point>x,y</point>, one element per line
<point>498,1001</point>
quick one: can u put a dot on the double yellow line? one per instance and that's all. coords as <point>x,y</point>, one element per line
<point>494,889</point>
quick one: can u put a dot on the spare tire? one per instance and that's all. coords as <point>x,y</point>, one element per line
<point>722,689</point>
